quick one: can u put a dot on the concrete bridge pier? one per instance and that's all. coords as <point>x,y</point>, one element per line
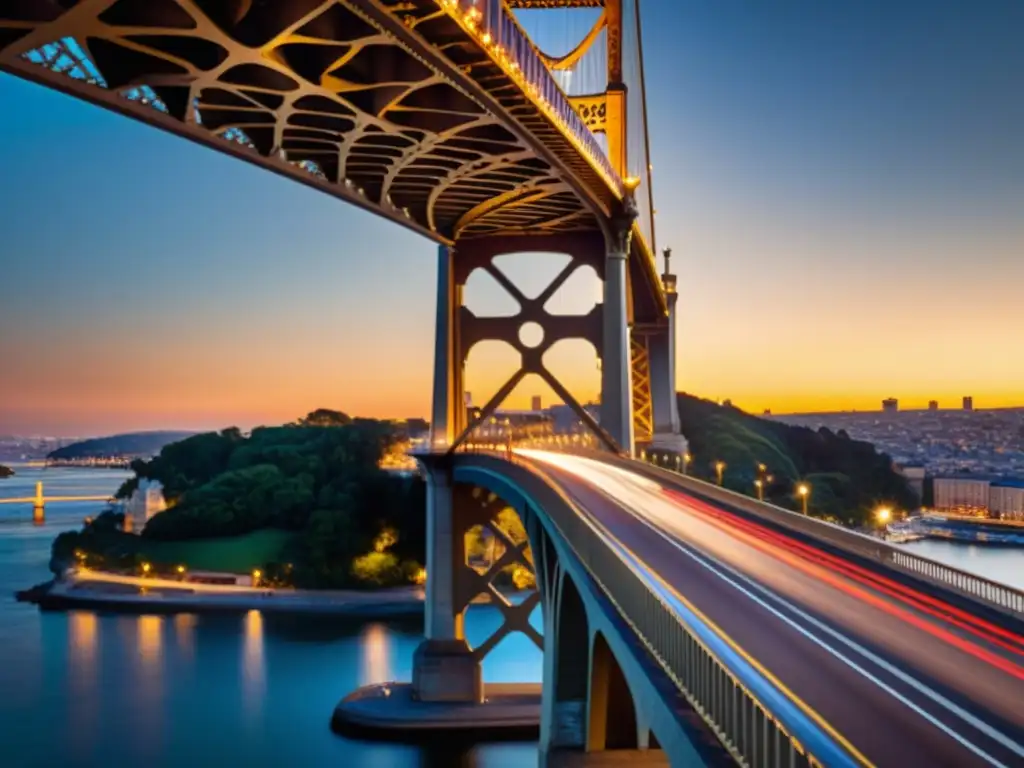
<point>667,438</point>
<point>444,666</point>
<point>616,361</point>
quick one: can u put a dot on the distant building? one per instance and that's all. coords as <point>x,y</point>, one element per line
<point>535,403</point>
<point>962,495</point>
<point>890,405</point>
<point>148,500</point>
<point>515,425</point>
<point>914,475</point>
<point>767,412</point>
<point>933,405</point>
<point>1006,499</point>
<point>968,403</point>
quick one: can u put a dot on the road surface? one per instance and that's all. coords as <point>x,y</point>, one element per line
<point>898,676</point>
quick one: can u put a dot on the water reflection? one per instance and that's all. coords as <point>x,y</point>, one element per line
<point>147,687</point>
<point>82,629</point>
<point>150,635</point>
<point>185,635</point>
<point>253,667</point>
<point>83,703</point>
<point>375,649</point>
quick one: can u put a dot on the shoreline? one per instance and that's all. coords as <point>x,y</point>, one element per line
<point>93,590</point>
<point>87,592</point>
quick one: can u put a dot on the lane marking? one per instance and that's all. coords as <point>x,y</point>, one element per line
<point>644,487</point>
<point>913,682</point>
<point>905,595</point>
<point>806,708</point>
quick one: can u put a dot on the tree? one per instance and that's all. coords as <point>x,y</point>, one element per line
<point>324,417</point>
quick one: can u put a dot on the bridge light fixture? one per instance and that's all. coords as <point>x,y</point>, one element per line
<point>145,567</point>
<point>883,514</point>
<point>805,491</point>
<point>720,469</point>
<point>631,183</point>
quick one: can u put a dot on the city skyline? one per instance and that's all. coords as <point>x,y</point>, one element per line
<point>842,233</point>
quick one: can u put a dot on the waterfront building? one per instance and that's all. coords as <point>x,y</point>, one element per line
<point>148,500</point>
<point>890,405</point>
<point>980,496</point>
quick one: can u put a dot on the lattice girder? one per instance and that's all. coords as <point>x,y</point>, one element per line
<point>375,102</point>
<point>476,507</point>
<point>640,366</point>
<point>480,254</point>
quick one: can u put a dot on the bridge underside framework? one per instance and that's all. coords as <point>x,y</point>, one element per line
<point>398,107</point>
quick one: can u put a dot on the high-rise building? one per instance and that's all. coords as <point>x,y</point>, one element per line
<point>890,405</point>
<point>968,403</point>
<point>933,405</point>
<point>535,403</point>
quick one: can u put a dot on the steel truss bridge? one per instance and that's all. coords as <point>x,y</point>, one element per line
<point>682,624</point>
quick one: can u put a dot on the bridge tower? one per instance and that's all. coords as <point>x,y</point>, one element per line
<point>39,505</point>
<point>638,401</point>
<point>637,356</point>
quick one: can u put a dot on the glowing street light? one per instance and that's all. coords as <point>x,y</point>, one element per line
<point>883,515</point>
<point>760,489</point>
<point>256,575</point>
<point>687,458</point>
<point>805,492</point>
<point>762,468</point>
<point>145,568</point>
<point>719,469</point>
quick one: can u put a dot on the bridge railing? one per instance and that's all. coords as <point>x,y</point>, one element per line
<point>510,47</point>
<point>993,594</point>
<point>753,720</point>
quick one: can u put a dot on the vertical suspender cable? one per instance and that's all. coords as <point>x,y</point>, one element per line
<point>647,133</point>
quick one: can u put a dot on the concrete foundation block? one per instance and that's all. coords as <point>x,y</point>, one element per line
<point>446,670</point>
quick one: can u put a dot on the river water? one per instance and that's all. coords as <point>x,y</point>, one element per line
<point>86,689</point>
<point>83,689</point>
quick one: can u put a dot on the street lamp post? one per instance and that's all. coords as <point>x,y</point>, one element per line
<point>805,492</point>
<point>687,458</point>
<point>760,489</point>
<point>883,515</point>
<point>720,469</point>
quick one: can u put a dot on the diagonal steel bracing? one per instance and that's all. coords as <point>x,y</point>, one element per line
<point>471,329</point>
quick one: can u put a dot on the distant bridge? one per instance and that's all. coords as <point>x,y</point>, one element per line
<point>39,501</point>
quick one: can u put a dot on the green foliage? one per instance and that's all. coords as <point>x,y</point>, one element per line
<point>324,417</point>
<point>377,569</point>
<point>102,544</point>
<point>849,478</point>
<point>318,485</point>
<point>235,554</point>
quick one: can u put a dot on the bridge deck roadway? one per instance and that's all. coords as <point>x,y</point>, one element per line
<point>896,673</point>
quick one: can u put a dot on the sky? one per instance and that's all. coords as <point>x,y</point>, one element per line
<point>842,185</point>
